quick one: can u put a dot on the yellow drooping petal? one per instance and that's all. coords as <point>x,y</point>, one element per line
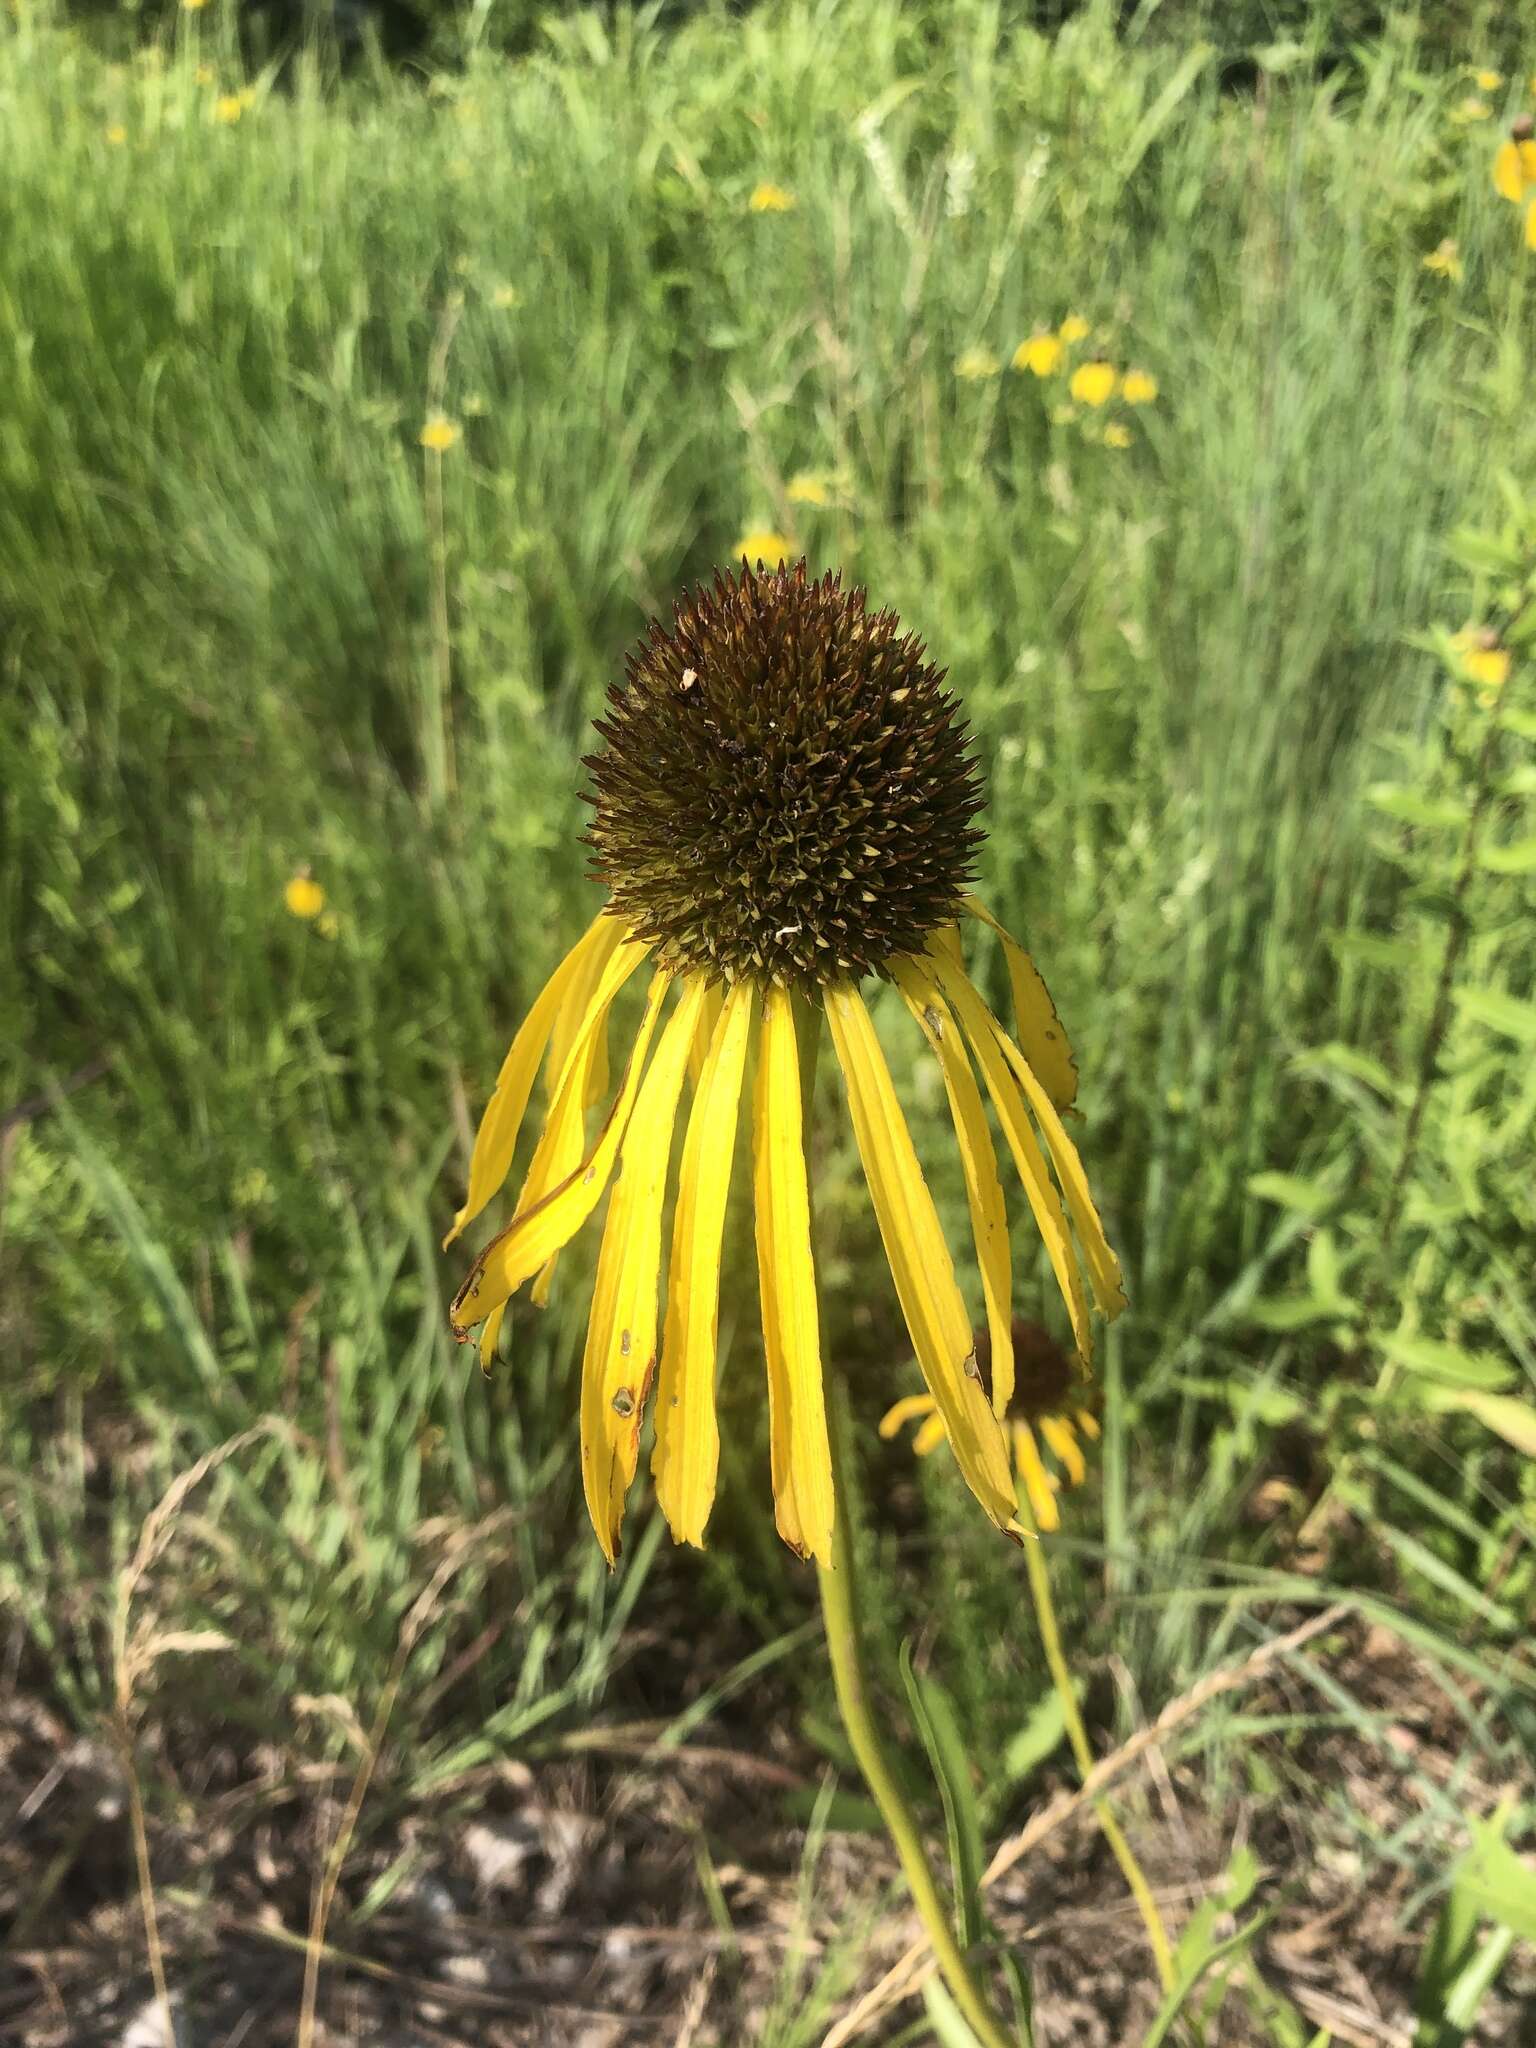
<point>1029,1160</point>
<point>703,1038</point>
<point>687,1454</point>
<point>907,1409</point>
<point>1514,170</point>
<point>797,1418</point>
<point>539,1229</point>
<point>919,1258</point>
<point>978,1159</point>
<point>1103,1267</point>
<point>1042,1036</point>
<point>572,1014</point>
<point>620,1357</point>
<point>1034,1478</point>
<point>496,1139</point>
<point>929,1437</point>
<point>1088,1423</point>
<point>489,1335</point>
<point>1059,1436</point>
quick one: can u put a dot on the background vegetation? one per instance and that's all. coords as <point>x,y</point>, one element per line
<point>1242,797</point>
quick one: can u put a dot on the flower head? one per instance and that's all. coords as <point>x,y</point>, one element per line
<point>784,803</point>
<point>1073,330</point>
<point>303,897</point>
<point>1483,660</point>
<point>228,108</point>
<point>770,198</point>
<point>116,134</point>
<point>1514,162</point>
<point>760,545</point>
<point>1117,435</point>
<point>1093,383</point>
<point>809,487</point>
<point>439,433</point>
<point>975,363</point>
<point>1048,1402</point>
<point>1138,387</point>
<point>1445,260</point>
<point>1487,81</point>
<point>1040,354</point>
<point>1469,110</point>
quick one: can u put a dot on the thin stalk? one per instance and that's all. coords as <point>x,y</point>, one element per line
<point>1077,1735</point>
<point>839,1606</point>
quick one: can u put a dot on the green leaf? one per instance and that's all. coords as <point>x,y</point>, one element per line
<point>1039,1738</point>
<point>1497,1881</point>
<point>1411,807</point>
<point>934,1714</point>
<point>1292,1311</point>
<point>1448,1363</point>
<point>1512,1419</point>
<point>1515,720</point>
<point>1499,1012</point>
<point>1515,857</point>
<point>1485,554</point>
<point>1293,1191</point>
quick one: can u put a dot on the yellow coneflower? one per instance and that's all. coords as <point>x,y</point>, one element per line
<point>1117,435</point>
<point>1040,354</point>
<point>1093,383</point>
<point>1471,109</point>
<point>439,434</point>
<point>1514,163</point>
<point>1073,330</point>
<point>228,108</point>
<point>303,896</point>
<point>770,198</point>
<point>1047,1402</point>
<point>783,806</point>
<point>1138,387</point>
<point>761,545</point>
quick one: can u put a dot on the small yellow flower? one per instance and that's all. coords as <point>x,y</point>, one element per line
<point>228,108</point>
<point>1138,387</point>
<point>1487,81</point>
<point>1445,261</point>
<point>1514,169</point>
<point>303,897</point>
<point>1073,330</point>
<point>1117,435</point>
<point>505,295</point>
<point>809,487</point>
<point>1048,1401</point>
<point>1483,660</point>
<point>1093,383</point>
<point>204,73</point>
<point>328,924</point>
<point>1530,225</point>
<point>117,134</point>
<point>770,198</point>
<point>194,6</point>
<point>1041,354</point>
<point>974,363</point>
<point>439,434</point>
<point>1466,111</point>
<point>762,544</point>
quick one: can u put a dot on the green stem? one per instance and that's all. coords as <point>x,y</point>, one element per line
<point>839,1605</point>
<point>1077,1735</point>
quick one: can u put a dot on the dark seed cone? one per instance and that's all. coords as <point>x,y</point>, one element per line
<point>786,790</point>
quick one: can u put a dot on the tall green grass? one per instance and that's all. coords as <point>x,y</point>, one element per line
<point>219,663</point>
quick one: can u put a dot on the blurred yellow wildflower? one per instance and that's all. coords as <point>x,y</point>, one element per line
<point>1117,435</point>
<point>1445,260</point>
<point>762,544</point>
<point>1483,660</point>
<point>117,134</point>
<point>228,108</point>
<point>203,75</point>
<point>974,363</point>
<point>194,6</point>
<point>439,433</point>
<point>1487,81</point>
<point>1073,329</point>
<point>1048,1401</point>
<point>1514,168</point>
<point>1093,383</point>
<point>1468,110</point>
<point>1040,354</point>
<point>328,924</point>
<point>771,198</point>
<point>1530,225</point>
<point>503,296</point>
<point>809,487</point>
<point>303,897</point>
<point>1138,387</point>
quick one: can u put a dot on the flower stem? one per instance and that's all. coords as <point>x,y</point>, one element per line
<point>839,1605</point>
<point>1135,1877</point>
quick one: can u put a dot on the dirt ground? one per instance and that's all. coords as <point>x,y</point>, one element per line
<point>617,1896</point>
